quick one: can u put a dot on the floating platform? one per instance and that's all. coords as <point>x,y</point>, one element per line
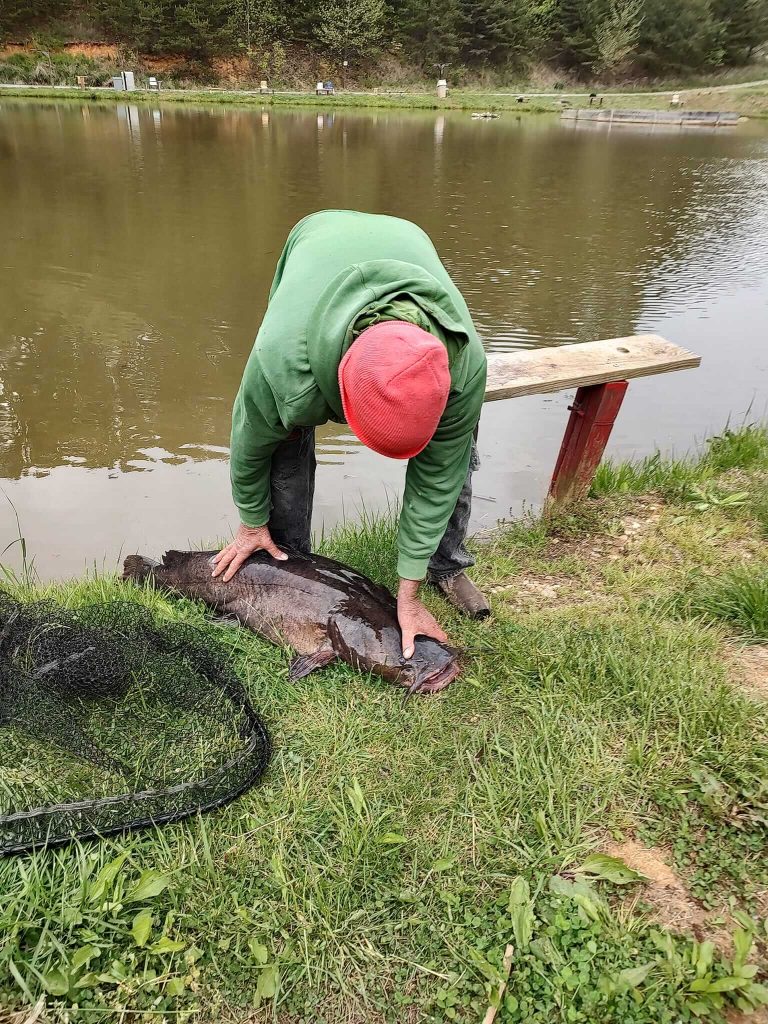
<point>708,118</point>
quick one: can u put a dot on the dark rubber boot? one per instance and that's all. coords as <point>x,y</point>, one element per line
<point>464,595</point>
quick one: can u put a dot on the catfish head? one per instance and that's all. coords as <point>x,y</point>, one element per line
<point>432,667</point>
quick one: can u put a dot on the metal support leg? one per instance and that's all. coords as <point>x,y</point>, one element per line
<point>592,417</point>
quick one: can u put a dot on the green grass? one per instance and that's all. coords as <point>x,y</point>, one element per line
<point>372,876</point>
<point>729,76</point>
<point>759,506</point>
<point>653,473</point>
<point>750,102</point>
<point>458,100</point>
<point>742,448</point>
<point>369,544</point>
<point>738,598</point>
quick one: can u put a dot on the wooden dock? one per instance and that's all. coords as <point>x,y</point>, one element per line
<point>702,118</point>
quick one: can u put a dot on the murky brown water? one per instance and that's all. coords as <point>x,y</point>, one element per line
<point>137,247</point>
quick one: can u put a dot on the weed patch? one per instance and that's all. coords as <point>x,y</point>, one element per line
<point>745,448</point>
<point>738,598</point>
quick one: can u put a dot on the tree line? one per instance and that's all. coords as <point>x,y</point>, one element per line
<point>602,38</point>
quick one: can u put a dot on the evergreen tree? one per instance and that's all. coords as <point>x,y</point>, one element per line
<point>589,36</point>
<point>744,27</point>
<point>350,27</point>
<point>503,32</point>
<point>617,34</point>
<point>575,25</point>
<point>20,15</point>
<point>679,35</point>
<point>195,28</point>
<point>430,30</point>
<point>255,24</point>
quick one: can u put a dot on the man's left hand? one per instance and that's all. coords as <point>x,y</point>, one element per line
<point>415,618</point>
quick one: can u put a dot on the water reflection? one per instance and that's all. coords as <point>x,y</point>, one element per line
<point>136,275</point>
<point>129,115</point>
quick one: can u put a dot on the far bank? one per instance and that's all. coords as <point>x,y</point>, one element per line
<point>748,101</point>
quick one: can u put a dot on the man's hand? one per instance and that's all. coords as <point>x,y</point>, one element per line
<point>414,618</point>
<point>248,540</point>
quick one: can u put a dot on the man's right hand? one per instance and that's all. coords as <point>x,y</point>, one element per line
<point>248,540</point>
<point>415,619</point>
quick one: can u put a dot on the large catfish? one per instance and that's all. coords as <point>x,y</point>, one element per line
<point>321,608</point>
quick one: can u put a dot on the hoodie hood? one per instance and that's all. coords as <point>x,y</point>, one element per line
<point>362,291</point>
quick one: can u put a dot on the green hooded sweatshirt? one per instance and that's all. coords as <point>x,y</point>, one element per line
<point>340,272</point>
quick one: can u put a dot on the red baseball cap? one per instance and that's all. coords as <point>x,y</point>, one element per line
<point>394,382</point>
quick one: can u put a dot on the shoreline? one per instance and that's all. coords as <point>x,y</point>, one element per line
<point>747,100</point>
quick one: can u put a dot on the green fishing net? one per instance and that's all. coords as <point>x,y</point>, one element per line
<point>110,720</point>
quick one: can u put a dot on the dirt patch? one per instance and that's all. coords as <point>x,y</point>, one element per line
<point>163,63</point>
<point>650,534</point>
<point>760,1016</point>
<point>236,70</point>
<point>594,567</point>
<point>542,589</point>
<point>531,591</point>
<point>743,479</point>
<point>96,51</point>
<point>672,906</point>
<point>528,592</point>
<point>623,535</point>
<point>748,668</point>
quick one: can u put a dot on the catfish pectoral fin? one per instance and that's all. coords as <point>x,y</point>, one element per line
<point>307,663</point>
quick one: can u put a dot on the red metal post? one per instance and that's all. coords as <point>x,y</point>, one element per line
<point>592,417</point>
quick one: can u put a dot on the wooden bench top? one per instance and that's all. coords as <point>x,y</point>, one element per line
<point>540,370</point>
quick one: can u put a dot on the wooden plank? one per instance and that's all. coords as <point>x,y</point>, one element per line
<point>542,370</point>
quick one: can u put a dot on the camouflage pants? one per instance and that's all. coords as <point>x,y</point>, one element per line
<point>293,488</point>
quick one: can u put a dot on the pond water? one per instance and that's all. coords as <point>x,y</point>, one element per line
<point>138,244</point>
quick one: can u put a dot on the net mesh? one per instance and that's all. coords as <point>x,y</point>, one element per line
<point>110,720</point>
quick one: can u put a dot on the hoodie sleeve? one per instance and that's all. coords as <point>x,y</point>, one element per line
<point>256,432</point>
<point>435,477</point>
<point>257,428</point>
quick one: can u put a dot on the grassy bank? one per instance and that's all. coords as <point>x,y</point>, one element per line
<point>404,101</point>
<point>615,704</point>
<point>751,102</point>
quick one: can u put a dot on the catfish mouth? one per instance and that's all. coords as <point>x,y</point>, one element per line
<point>440,679</point>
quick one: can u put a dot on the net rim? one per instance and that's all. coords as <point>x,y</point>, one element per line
<point>259,743</point>
<point>248,764</point>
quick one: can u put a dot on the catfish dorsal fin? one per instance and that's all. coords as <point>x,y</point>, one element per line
<point>171,558</point>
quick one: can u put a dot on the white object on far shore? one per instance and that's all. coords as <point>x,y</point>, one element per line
<point>124,82</point>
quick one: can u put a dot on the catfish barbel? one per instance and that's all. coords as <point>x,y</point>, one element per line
<point>321,608</point>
